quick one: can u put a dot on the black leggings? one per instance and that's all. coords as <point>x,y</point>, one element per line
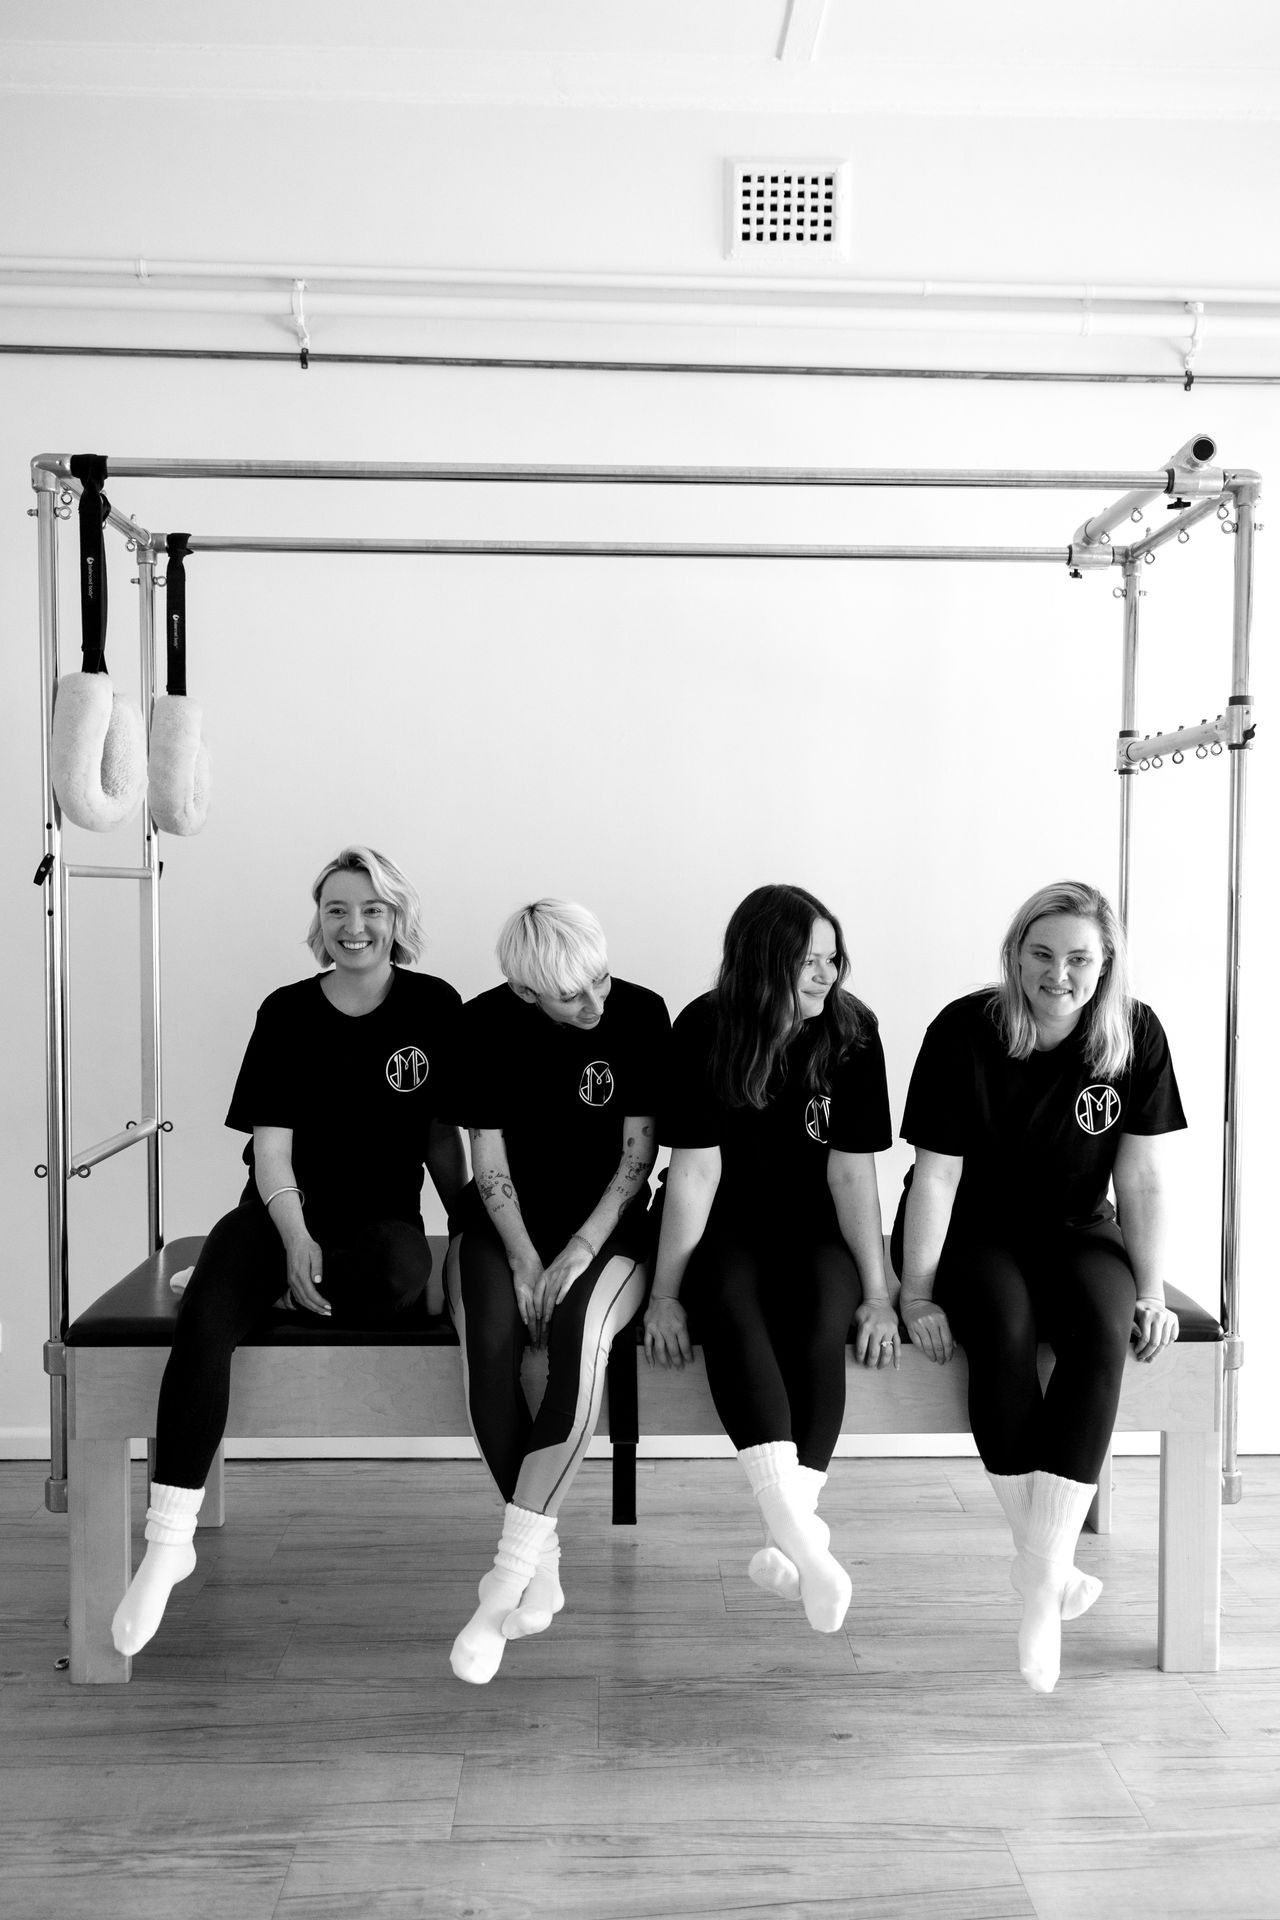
<point>533,1458</point>
<point>772,1315</point>
<point>372,1275</point>
<point>1005,1292</point>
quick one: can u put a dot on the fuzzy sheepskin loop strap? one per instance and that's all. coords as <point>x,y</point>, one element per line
<point>178,788</point>
<point>98,754</point>
<point>178,792</point>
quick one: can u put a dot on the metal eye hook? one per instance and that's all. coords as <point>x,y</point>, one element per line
<point>1150,559</point>
<point>1229,526</point>
<point>1157,762</point>
<point>1136,515</point>
<point>66,497</point>
<point>1143,766</point>
<point>1117,593</point>
<point>1202,752</point>
<point>1216,748</point>
<point>1183,536</point>
<point>1178,758</point>
<point>1224,511</point>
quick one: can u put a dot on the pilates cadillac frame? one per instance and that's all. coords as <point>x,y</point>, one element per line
<point>1190,478</point>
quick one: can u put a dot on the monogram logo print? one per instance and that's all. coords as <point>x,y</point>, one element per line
<point>407,1069</point>
<point>1097,1109</point>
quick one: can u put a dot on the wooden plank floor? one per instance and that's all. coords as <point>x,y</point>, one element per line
<point>293,1745</point>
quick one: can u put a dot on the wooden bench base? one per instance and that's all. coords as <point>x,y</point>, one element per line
<point>392,1391</point>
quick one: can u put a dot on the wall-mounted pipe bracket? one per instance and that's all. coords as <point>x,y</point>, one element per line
<point>55,1359</point>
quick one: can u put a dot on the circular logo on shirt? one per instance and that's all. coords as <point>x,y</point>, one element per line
<point>407,1069</point>
<point>596,1084</point>
<point>817,1117</point>
<point>1097,1109</point>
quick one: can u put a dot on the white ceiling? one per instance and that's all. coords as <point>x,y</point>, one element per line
<point>1011,58</point>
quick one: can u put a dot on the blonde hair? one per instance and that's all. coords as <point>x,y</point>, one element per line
<point>390,885</point>
<point>1109,1014</point>
<point>554,947</point>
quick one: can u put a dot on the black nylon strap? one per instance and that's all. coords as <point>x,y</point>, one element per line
<point>177,546</point>
<point>90,469</point>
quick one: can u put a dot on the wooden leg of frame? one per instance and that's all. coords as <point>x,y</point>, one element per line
<point>213,1508</point>
<point>1098,1518</point>
<point>1190,1549</point>
<point>98,1546</point>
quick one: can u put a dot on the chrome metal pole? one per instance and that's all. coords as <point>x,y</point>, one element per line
<point>1173,528</point>
<point>1246,498</point>
<point>149,920</point>
<point>618,549</point>
<point>55,1486</point>
<point>574,475</point>
<point>1128,727</point>
<point>1179,469</point>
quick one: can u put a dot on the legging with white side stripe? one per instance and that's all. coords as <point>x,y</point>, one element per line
<point>533,1458</point>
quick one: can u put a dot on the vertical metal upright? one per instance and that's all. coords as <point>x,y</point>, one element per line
<point>1246,499</point>
<point>1128,728</point>
<point>57,1149</point>
<point>149,918</point>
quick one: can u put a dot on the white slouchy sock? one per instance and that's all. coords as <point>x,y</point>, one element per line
<point>770,1567</point>
<point>772,1472</point>
<point>543,1597</point>
<point>478,1650</point>
<point>1013,1491</point>
<point>170,1557</point>
<point>1055,1515</point>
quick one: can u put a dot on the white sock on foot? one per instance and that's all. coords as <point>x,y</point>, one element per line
<point>543,1597</point>
<point>170,1557</point>
<point>477,1652</point>
<point>1057,1512</point>
<point>772,1472</point>
<point>769,1567</point>
<point>1013,1491</point>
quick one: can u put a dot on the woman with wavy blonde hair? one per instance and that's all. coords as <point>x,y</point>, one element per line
<point>1027,1102</point>
<point>338,1093</point>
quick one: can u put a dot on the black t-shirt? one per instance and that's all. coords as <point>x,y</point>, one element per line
<point>559,1094</point>
<point>774,1158</point>
<point>358,1091</point>
<point>1038,1136</point>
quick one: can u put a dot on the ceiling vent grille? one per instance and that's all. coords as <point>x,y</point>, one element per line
<point>796,206</point>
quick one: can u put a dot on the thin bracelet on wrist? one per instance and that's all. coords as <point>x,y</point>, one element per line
<point>302,1198</point>
<point>593,1251</point>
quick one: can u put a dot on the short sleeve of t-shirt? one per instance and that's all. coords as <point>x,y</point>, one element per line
<point>938,1116</point>
<point>859,1119</point>
<point>263,1095</point>
<point>1154,1104</point>
<point>689,1114</point>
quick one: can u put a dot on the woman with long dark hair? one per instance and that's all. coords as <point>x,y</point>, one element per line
<point>1028,1099</point>
<point>771,1228</point>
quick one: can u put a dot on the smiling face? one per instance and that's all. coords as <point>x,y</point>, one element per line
<point>1060,963</point>
<point>583,1009</point>
<point>818,970</point>
<point>358,929</point>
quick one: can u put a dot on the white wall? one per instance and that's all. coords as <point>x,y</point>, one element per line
<point>920,745</point>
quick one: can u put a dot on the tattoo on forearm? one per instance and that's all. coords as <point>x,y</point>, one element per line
<point>495,1188</point>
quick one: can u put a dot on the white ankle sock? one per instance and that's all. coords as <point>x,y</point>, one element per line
<point>477,1652</point>
<point>1054,1520</point>
<point>543,1597</point>
<point>170,1557</point>
<point>770,1568</point>
<point>1013,1491</point>
<point>773,1472</point>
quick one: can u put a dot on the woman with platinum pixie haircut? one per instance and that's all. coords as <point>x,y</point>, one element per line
<point>338,1095</point>
<point>557,1079</point>
<point>771,1219</point>
<point>1026,1102</point>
